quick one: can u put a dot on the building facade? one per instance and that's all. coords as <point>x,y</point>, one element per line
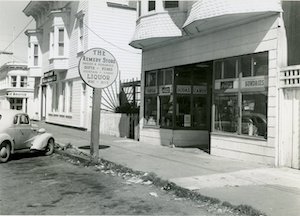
<point>64,31</point>
<point>210,75</point>
<point>16,87</point>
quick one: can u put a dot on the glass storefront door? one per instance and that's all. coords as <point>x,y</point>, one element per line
<point>16,103</point>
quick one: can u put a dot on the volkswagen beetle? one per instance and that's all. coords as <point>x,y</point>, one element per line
<point>17,134</point>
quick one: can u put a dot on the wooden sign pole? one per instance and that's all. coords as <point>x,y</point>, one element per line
<point>95,122</point>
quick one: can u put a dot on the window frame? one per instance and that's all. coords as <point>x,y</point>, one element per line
<point>13,83</point>
<point>151,6</point>
<point>240,90</point>
<point>159,91</point>
<point>170,5</point>
<point>36,55</point>
<point>23,83</point>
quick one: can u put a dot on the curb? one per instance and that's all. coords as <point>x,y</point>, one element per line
<point>81,157</point>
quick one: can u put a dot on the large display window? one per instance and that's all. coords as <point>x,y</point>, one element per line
<point>178,98</point>
<point>240,96</point>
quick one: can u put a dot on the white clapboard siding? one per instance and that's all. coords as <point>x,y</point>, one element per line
<point>257,36</point>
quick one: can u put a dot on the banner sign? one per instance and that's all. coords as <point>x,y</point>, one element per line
<point>49,77</point>
<point>98,68</point>
<point>165,90</point>
<point>254,82</point>
<point>17,94</point>
<point>184,89</point>
<point>151,90</point>
<point>200,89</point>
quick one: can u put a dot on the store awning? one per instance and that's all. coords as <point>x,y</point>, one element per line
<point>207,15</point>
<point>154,29</point>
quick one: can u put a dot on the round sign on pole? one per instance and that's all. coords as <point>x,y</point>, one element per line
<point>98,68</point>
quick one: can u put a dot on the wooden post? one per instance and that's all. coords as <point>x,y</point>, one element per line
<point>95,122</point>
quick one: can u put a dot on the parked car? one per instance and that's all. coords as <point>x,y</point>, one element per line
<point>17,134</point>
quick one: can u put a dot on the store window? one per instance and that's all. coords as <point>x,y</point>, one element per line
<point>151,5</point>
<point>13,81</point>
<point>151,110</point>
<point>23,82</point>
<point>171,4</point>
<point>178,97</point>
<point>226,118</point>
<point>16,103</point>
<point>241,101</point>
<point>254,114</point>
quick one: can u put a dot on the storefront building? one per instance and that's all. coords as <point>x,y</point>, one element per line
<point>16,88</point>
<point>211,75</point>
<point>64,31</point>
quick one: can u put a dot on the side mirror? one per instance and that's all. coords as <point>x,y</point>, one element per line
<point>41,130</point>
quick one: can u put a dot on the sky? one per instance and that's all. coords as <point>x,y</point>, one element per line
<point>12,21</point>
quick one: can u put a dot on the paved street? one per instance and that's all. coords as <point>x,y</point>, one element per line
<point>274,191</point>
<point>33,184</point>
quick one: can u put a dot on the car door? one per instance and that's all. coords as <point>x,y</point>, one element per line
<point>23,131</point>
<point>26,130</point>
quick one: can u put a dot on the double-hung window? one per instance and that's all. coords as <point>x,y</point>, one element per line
<point>151,5</point>
<point>23,82</point>
<point>171,4</point>
<point>57,42</point>
<point>35,55</point>
<point>13,81</point>
<point>80,35</point>
<point>61,41</point>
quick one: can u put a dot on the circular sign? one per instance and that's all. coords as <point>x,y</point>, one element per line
<point>98,68</point>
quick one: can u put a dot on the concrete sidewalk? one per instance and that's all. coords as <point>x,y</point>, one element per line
<point>274,191</point>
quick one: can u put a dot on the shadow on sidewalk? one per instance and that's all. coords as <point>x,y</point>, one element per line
<point>89,147</point>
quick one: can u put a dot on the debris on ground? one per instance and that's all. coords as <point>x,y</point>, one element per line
<point>153,194</point>
<point>137,177</point>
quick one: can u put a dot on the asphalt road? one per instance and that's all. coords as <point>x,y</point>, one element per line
<point>34,184</point>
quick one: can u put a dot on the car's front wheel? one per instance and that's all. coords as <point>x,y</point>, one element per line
<point>4,152</point>
<point>50,147</point>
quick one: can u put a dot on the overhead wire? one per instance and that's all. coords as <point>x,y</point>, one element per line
<point>22,31</point>
<point>129,51</point>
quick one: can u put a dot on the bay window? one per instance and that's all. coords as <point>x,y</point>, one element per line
<point>240,99</point>
<point>35,55</point>
<point>61,43</point>
<point>13,81</point>
<point>23,82</point>
<point>57,43</point>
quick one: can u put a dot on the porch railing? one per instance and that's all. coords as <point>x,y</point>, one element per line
<point>290,77</point>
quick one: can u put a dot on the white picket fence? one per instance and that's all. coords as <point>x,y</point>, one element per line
<point>289,142</point>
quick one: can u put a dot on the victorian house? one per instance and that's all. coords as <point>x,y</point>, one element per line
<point>64,31</point>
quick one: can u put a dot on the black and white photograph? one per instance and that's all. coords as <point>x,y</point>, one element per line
<point>137,107</point>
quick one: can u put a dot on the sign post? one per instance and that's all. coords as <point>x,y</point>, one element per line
<point>98,68</point>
